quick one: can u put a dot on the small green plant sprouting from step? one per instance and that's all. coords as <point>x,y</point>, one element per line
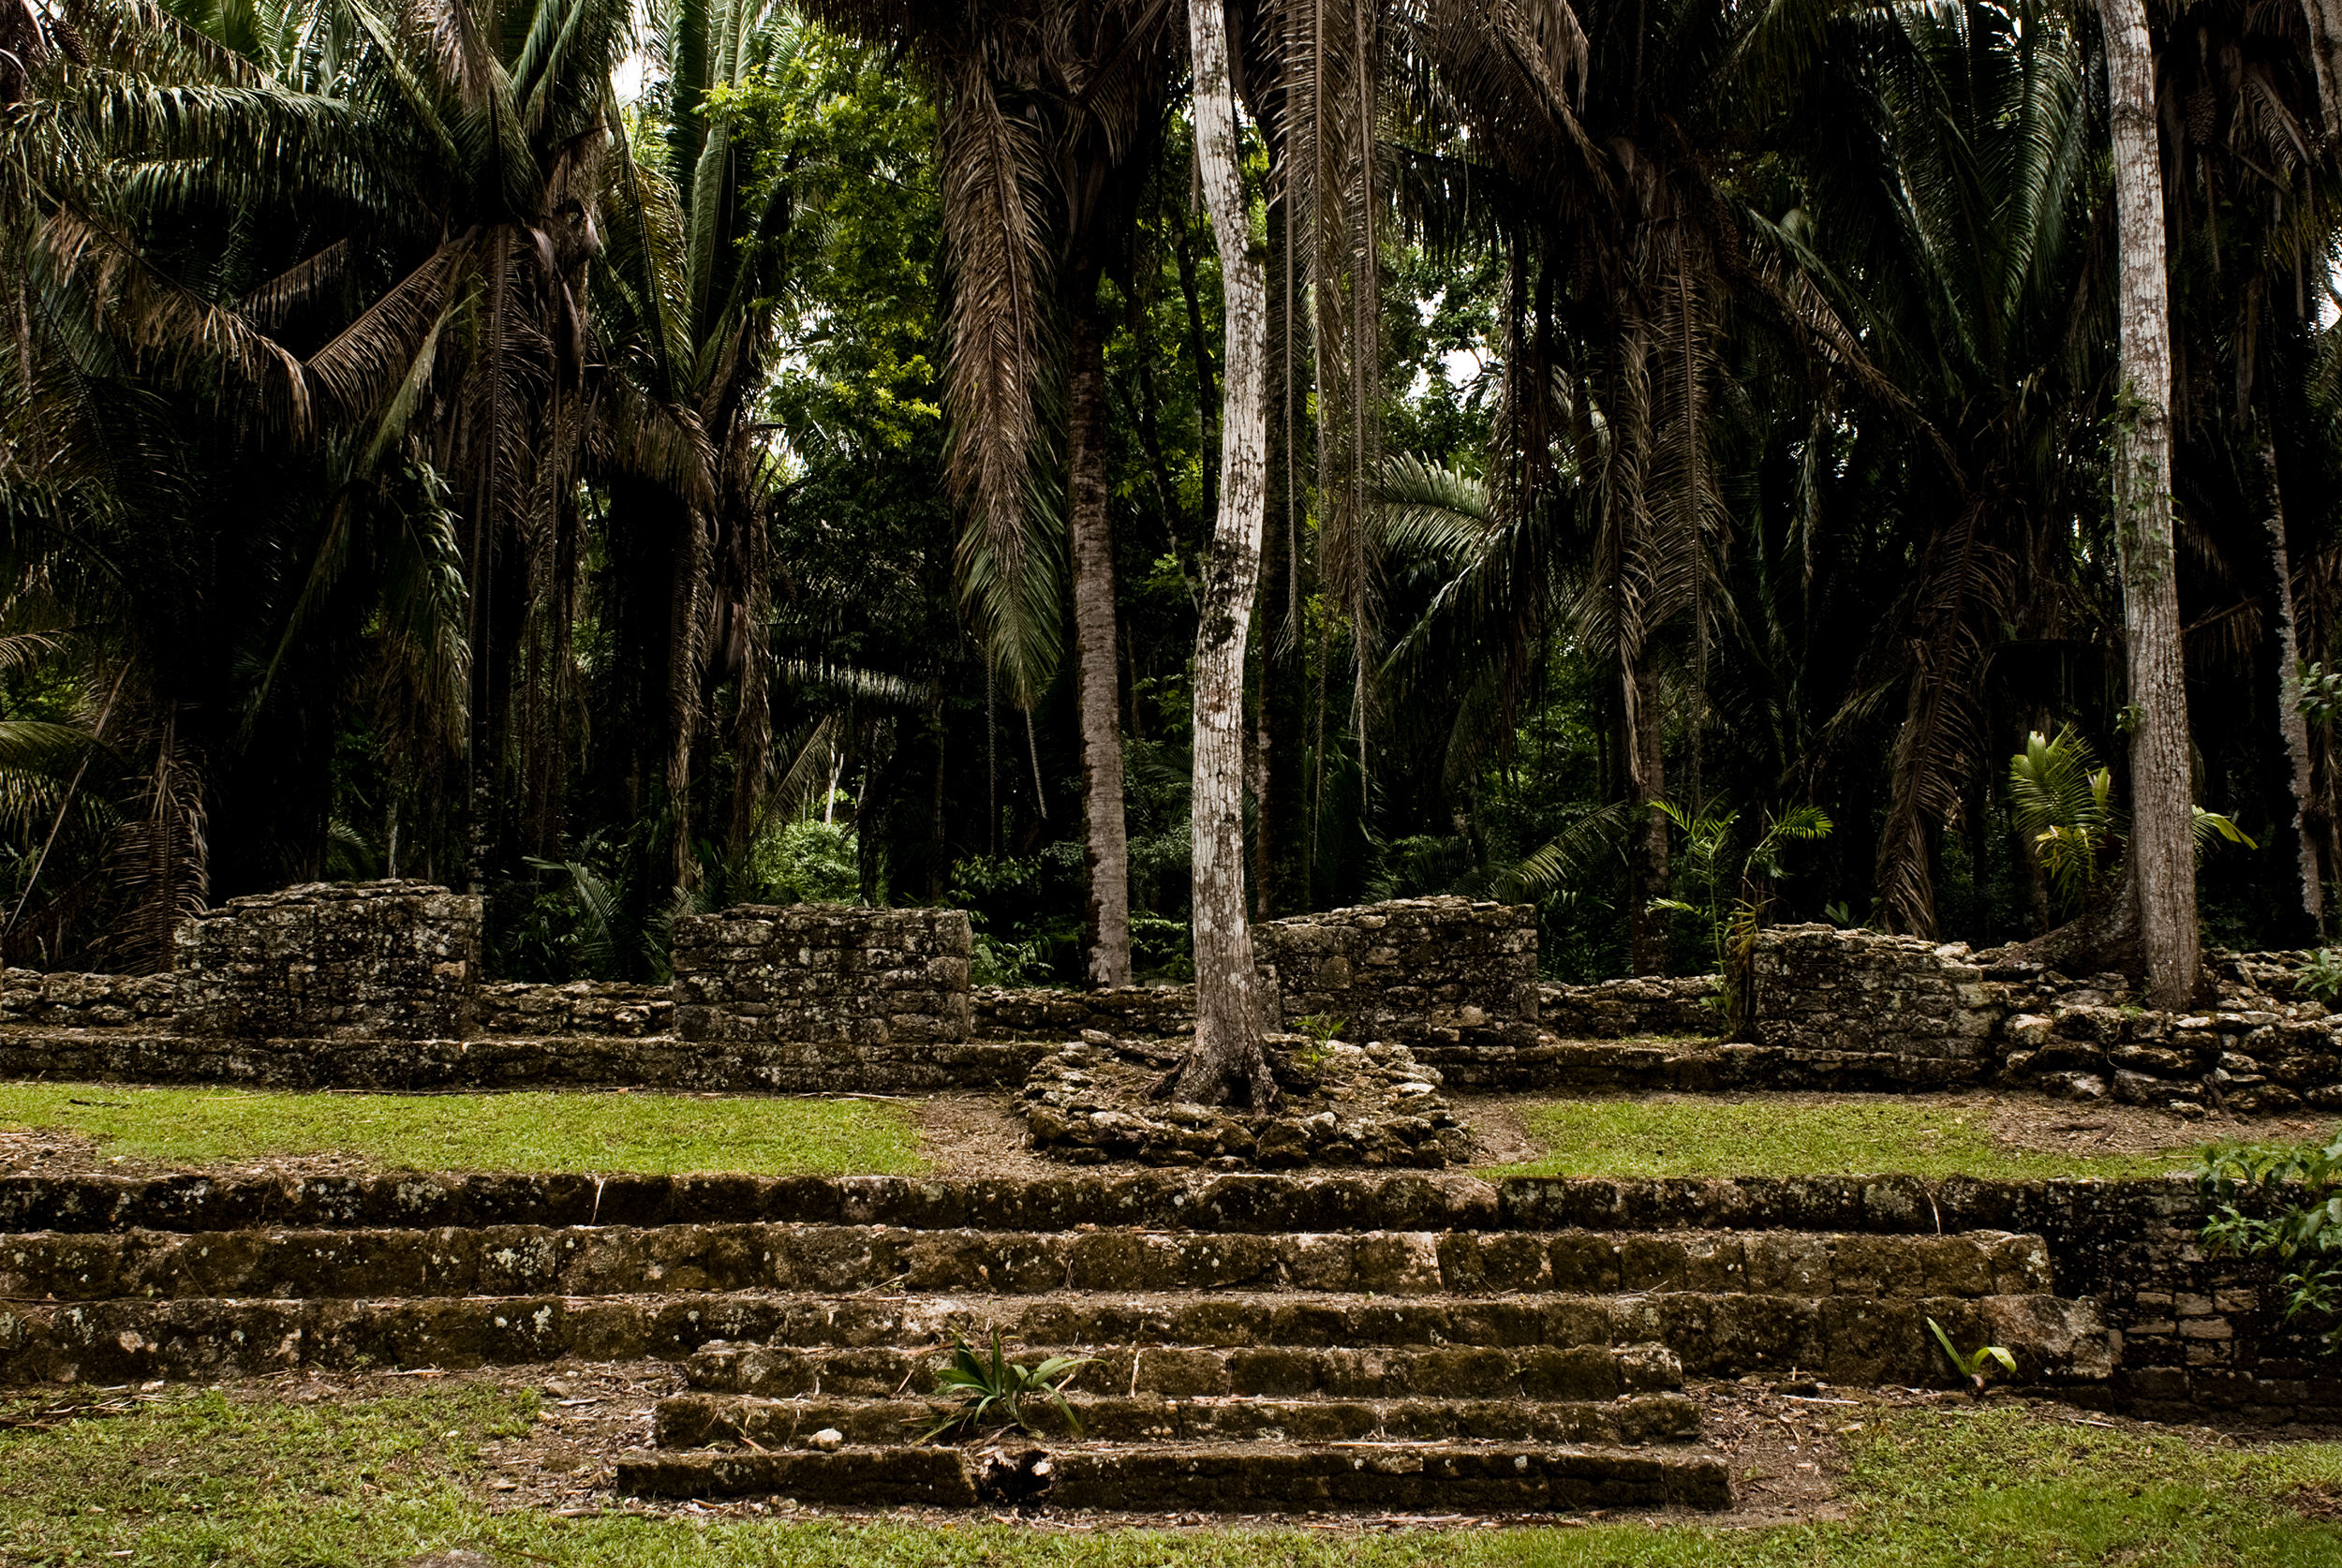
<point>1322,1032</point>
<point>993,1393</point>
<point>1975,1365</point>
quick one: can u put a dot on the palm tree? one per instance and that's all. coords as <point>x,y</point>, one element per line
<point>2252,187</point>
<point>685,306</point>
<point>1945,212</point>
<point>1051,112</point>
<point>1596,138</point>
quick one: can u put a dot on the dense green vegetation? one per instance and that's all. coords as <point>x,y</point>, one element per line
<point>196,1477</point>
<point>652,1133</point>
<point>617,457</point>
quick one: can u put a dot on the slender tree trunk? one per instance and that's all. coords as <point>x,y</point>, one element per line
<point>1106,845</point>
<point>2325,53</point>
<point>1226,1062</point>
<point>1642,747</point>
<point>2163,851</point>
<point>2306,895</point>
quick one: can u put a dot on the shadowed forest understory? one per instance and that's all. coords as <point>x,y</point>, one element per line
<point>635,461</point>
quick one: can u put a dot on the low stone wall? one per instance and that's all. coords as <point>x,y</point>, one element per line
<point>394,960</point>
<point>595,1007</point>
<point>1663,1006</point>
<point>1409,971</point>
<point>1921,1014</point>
<point>68,1001</point>
<point>823,973</point>
<point>1148,1012</point>
<point>2199,1335</point>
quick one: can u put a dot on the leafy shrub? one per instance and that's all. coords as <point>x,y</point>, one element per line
<point>2283,1204</point>
<point>1000,961</point>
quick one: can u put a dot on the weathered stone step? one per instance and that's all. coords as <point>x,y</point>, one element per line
<point>1846,1338</point>
<point>1235,1204</point>
<point>1385,1477</point>
<point>1584,1372</point>
<point>532,1260</point>
<point>700,1420</point>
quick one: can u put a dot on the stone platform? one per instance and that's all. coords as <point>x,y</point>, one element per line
<point>1249,1339</point>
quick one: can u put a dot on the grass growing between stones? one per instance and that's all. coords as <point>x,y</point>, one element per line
<point>197,1478</point>
<point>1782,1137</point>
<point>652,1133</point>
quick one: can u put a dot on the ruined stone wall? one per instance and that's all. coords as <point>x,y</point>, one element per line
<point>819,974</point>
<point>68,1001</point>
<point>1410,971</point>
<point>1900,1009</point>
<point>591,1007</point>
<point>1663,1006</point>
<point>2200,1334</point>
<point>1157,1011</point>
<point>391,959</point>
<point>2263,1047</point>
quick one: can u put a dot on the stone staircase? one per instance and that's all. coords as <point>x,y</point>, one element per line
<point>1399,1342</point>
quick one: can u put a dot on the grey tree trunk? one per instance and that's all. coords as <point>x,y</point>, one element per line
<point>2325,53</point>
<point>2162,850</point>
<point>1226,1062</point>
<point>2306,894</point>
<point>1105,844</point>
<point>1642,743</point>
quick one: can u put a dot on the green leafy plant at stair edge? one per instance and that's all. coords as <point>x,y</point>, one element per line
<point>1732,907</point>
<point>1976,1364</point>
<point>2282,1203</point>
<point>993,1393</point>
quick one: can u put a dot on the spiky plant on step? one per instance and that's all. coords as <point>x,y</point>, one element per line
<point>995,1390</point>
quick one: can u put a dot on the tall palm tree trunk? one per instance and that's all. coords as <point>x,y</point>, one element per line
<point>1226,1062</point>
<point>2305,897</point>
<point>1105,848</point>
<point>2163,864</point>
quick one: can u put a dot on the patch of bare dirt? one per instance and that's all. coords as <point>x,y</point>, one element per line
<point>2032,1121</point>
<point>2323,1503</point>
<point>53,1151</point>
<point>1499,1136</point>
<point>979,1136</point>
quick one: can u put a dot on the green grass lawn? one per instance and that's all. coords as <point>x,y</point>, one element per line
<point>1780,1137</point>
<point>197,1478</point>
<point>654,1133</point>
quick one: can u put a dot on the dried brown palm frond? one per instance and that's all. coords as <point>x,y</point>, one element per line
<point>159,857</point>
<point>1964,584</point>
<point>995,179</point>
<point>1334,87</point>
<point>157,313</point>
